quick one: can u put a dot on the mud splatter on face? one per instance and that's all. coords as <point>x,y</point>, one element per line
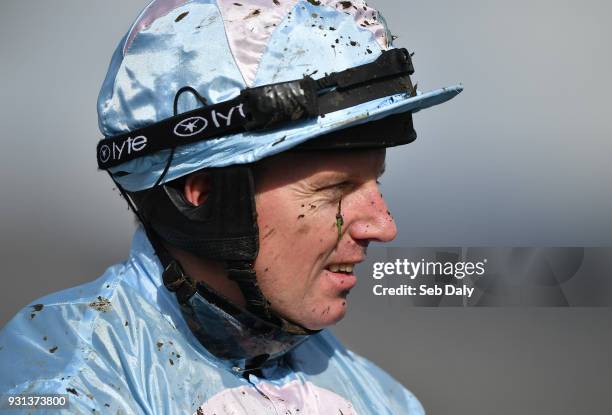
<point>339,220</point>
<point>269,233</point>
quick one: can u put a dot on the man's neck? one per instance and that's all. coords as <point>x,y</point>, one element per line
<point>210,272</point>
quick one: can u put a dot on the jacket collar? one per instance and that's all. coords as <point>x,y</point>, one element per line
<point>238,340</point>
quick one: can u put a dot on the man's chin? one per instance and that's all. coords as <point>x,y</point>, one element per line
<point>326,316</point>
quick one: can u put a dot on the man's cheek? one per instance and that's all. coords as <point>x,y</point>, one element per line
<point>303,228</point>
<point>266,232</point>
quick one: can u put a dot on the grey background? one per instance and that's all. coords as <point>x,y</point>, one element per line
<point>521,158</point>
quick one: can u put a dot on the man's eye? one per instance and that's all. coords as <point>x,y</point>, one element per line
<point>335,186</point>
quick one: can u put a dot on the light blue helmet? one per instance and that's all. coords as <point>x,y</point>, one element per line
<point>219,48</point>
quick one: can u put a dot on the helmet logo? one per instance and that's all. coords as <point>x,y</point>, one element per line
<point>195,125</point>
<point>125,147</point>
<point>105,153</point>
<point>191,126</point>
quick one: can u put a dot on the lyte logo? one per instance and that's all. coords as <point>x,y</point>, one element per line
<point>128,146</point>
<point>190,126</point>
<point>195,125</point>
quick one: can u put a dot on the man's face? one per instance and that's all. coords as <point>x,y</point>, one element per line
<point>307,252</point>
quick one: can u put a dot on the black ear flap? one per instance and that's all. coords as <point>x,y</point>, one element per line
<point>224,228</point>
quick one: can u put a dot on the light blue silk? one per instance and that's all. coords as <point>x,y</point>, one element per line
<point>165,56</point>
<point>121,345</point>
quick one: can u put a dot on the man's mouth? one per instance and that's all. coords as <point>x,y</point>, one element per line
<point>341,268</point>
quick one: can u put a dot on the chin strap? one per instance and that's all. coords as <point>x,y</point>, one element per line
<point>176,281</point>
<point>243,274</point>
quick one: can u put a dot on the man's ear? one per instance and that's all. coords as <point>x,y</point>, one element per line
<point>197,188</point>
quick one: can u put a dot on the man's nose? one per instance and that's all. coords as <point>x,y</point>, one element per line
<point>373,221</point>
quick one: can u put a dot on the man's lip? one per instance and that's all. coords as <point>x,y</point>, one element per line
<point>352,262</point>
<point>343,281</point>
